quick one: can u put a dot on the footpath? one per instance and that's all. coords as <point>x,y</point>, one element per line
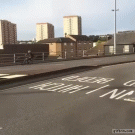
<point>10,74</point>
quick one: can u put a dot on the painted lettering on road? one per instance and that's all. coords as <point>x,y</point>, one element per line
<point>130,83</point>
<point>98,80</point>
<point>59,87</point>
<point>116,95</point>
<point>71,88</point>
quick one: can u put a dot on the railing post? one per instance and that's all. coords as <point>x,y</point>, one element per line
<point>65,54</point>
<point>83,53</point>
<point>14,57</point>
<point>98,52</point>
<point>43,56</point>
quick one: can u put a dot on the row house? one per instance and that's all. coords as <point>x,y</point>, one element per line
<point>70,46</point>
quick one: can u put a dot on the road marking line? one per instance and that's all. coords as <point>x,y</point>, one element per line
<point>62,87</point>
<point>3,74</point>
<point>72,88</point>
<point>48,89</point>
<point>97,89</point>
<point>127,94</point>
<point>79,89</point>
<point>106,66</point>
<point>129,100</point>
<point>12,76</point>
<point>113,93</point>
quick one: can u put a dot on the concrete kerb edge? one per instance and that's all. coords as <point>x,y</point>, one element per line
<point>8,81</point>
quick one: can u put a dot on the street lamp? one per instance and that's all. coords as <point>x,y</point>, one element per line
<point>114,48</point>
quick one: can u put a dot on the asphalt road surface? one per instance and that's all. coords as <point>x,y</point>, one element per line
<point>89,103</point>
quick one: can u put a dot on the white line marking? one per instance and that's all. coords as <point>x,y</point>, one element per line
<point>97,89</point>
<point>48,89</point>
<point>71,88</point>
<point>62,87</point>
<point>12,76</point>
<point>127,94</point>
<point>113,93</point>
<point>106,67</point>
<point>79,89</point>
<point>129,100</point>
<point>3,74</point>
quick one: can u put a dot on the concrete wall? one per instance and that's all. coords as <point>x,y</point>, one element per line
<point>119,49</point>
<point>23,48</point>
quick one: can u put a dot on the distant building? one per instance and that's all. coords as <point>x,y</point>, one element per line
<point>71,46</point>
<point>83,44</point>
<point>58,47</point>
<point>72,25</point>
<point>26,42</point>
<point>44,31</point>
<point>125,43</point>
<point>8,32</point>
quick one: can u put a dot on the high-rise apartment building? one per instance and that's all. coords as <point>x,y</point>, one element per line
<point>72,25</point>
<point>8,32</point>
<point>44,31</point>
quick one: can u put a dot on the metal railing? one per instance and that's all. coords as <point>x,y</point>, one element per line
<point>18,58</point>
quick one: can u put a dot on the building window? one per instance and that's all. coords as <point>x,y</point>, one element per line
<point>110,49</point>
<point>71,44</point>
<point>126,49</point>
<point>65,43</point>
<point>72,50</point>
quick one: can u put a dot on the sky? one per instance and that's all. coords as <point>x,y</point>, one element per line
<point>97,15</point>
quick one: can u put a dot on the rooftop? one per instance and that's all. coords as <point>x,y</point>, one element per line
<point>71,16</point>
<point>44,23</point>
<point>80,37</point>
<point>123,38</point>
<point>56,40</point>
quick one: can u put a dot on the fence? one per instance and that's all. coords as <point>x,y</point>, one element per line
<point>18,58</point>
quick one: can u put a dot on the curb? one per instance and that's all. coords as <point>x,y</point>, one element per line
<point>69,70</point>
<point>74,69</point>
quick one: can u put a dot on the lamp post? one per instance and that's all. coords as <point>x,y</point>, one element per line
<point>114,48</point>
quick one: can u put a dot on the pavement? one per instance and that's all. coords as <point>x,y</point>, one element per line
<point>10,74</point>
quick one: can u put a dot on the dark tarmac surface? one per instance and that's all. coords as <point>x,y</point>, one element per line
<point>85,103</point>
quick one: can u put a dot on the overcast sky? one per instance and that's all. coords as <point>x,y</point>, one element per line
<point>97,17</point>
